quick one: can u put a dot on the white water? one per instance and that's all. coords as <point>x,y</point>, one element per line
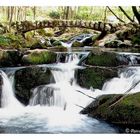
<point>64,92</point>
<point>54,108</point>
<point>8,100</point>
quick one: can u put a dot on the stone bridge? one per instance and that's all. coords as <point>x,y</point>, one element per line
<point>26,26</point>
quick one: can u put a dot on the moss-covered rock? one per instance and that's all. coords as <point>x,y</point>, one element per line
<point>126,112</point>
<point>56,43</point>
<point>102,58</point>
<point>58,49</point>
<point>39,57</point>
<point>10,58</point>
<point>94,77</point>
<point>28,78</point>
<point>77,44</point>
<point>136,39</point>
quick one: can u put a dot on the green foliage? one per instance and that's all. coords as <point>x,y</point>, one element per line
<point>54,15</point>
<point>41,32</point>
<point>11,41</point>
<point>4,41</point>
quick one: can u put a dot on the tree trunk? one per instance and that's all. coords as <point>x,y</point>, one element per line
<point>136,13</point>
<point>67,12</point>
<point>34,11</point>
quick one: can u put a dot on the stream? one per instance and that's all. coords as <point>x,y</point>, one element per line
<point>55,107</point>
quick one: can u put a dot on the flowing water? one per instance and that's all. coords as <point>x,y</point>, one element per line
<point>54,108</point>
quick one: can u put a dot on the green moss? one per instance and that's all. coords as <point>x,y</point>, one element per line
<point>10,58</point>
<point>103,59</point>
<point>94,77</point>
<point>126,111</point>
<point>77,44</point>
<point>41,32</point>
<point>11,41</point>
<point>136,39</point>
<point>4,41</point>
<point>33,76</point>
<point>40,57</point>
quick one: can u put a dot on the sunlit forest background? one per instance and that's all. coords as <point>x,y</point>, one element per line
<point>96,13</point>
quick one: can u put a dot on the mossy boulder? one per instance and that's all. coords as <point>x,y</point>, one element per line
<point>58,49</point>
<point>95,78</point>
<point>102,58</point>
<point>56,43</point>
<point>124,113</point>
<point>28,78</point>
<point>37,45</point>
<point>10,58</point>
<point>77,44</point>
<point>118,44</point>
<point>39,57</point>
<point>136,39</point>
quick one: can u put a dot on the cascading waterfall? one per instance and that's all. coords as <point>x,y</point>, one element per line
<point>7,98</point>
<point>54,108</point>
<point>128,80</point>
<point>63,93</point>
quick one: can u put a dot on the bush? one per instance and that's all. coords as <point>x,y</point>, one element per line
<point>4,41</point>
<point>54,15</point>
<point>136,39</point>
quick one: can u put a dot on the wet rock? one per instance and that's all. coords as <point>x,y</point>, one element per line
<point>114,44</point>
<point>81,40</point>
<point>102,58</point>
<point>88,41</point>
<point>77,44</point>
<point>56,43</point>
<point>37,46</point>
<point>10,58</point>
<point>94,77</point>
<point>125,113</point>
<point>29,78</point>
<point>58,49</point>
<point>39,57</point>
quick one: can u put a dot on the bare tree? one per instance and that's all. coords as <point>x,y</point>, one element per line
<point>115,14</point>
<point>126,14</point>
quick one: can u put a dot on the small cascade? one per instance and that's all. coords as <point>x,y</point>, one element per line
<point>7,98</point>
<point>63,93</point>
<point>78,38</point>
<point>46,95</point>
<point>74,57</point>
<point>128,81</point>
<point>129,58</point>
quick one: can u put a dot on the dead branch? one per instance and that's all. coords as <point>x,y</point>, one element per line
<point>86,95</point>
<point>125,94</point>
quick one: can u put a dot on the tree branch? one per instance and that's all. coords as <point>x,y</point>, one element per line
<point>86,95</point>
<point>122,10</point>
<point>115,14</point>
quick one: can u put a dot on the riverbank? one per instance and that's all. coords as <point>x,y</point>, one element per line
<point>116,109</point>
